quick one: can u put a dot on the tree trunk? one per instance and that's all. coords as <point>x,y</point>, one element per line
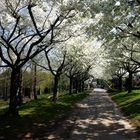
<point>55,87</point>
<point>70,88</point>
<point>79,85</point>
<point>14,89</point>
<point>130,82</point>
<point>76,85</point>
<point>120,83</point>
<point>83,86</point>
<point>31,87</point>
<point>20,91</point>
<point>33,94</point>
<point>35,80</point>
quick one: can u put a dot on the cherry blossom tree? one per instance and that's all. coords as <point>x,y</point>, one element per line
<point>26,29</point>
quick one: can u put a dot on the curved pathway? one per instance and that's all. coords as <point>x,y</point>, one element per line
<point>95,118</point>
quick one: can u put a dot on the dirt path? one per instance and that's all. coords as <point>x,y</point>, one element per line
<point>95,118</point>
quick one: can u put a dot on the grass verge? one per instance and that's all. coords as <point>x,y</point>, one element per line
<point>130,105</point>
<point>36,113</point>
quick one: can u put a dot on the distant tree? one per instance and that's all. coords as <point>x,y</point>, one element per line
<point>115,69</point>
<point>131,68</point>
<point>79,63</point>
<point>56,71</point>
<point>4,83</point>
<point>121,59</point>
<point>55,59</point>
<point>33,85</point>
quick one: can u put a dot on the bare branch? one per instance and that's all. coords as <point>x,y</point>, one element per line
<point>4,66</point>
<point>33,19</point>
<point>3,29</point>
<point>41,66</point>
<point>16,24</point>
<point>49,63</point>
<point>47,17</point>
<point>3,58</point>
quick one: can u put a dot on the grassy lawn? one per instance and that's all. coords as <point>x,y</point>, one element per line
<point>129,104</point>
<point>36,113</point>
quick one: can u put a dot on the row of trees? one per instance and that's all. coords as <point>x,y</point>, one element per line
<point>116,24</point>
<point>71,64</point>
<point>120,25</point>
<point>35,33</point>
<point>50,71</point>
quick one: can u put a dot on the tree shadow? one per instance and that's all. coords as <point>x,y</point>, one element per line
<point>38,118</point>
<point>24,126</point>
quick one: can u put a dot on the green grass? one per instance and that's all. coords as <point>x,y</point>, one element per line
<point>37,113</point>
<point>129,104</point>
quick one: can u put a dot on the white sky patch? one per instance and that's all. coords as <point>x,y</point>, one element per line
<point>114,30</point>
<point>41,13</point>
<point>117,3</point>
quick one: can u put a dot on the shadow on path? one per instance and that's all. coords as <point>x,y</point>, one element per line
<point>95,118</point>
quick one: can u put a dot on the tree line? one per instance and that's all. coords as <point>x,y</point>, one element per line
<point>33,36</point>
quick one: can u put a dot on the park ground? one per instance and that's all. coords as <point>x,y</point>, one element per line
<point>94,117</point>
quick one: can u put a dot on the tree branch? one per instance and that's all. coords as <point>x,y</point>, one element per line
<point>49,63</point>
<point>12,33</point>
<point>33,19</point>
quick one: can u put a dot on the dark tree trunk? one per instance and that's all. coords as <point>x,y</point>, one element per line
<point>31,87</point>
<point>35,80</point>
<point>83,86</point>
<point>14,89</point>
<point>70,88</point>
<point>129,87</point>
<point>79,86</point>
<point>55,88</point>
<point>76,85</point>
<point>6,94</point>
<point>120,83</point>
<point>20,91</point>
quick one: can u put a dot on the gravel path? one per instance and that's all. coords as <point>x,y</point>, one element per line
<point>95,118</point>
